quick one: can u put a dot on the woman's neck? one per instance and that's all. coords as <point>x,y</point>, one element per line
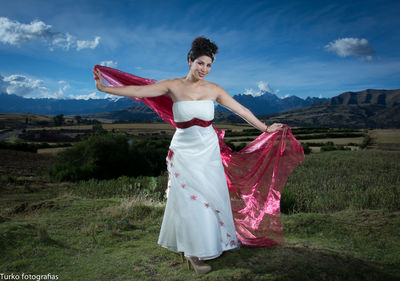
<point>190,78</point>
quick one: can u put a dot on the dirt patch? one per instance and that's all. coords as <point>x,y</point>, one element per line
<point>21,163</point>
<point>26,207</point>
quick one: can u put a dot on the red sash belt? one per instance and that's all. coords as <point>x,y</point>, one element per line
<point>193,122</point>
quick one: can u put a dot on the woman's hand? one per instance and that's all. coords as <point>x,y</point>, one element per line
<point>274,127</point>
<point>99,81</point>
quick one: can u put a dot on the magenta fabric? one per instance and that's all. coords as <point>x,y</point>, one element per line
<point>193,122</point>
<point>256,175</point>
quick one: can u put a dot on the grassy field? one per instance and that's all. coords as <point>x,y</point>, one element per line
<point>154,127</point>
<point>235,133</point>
<point>386,139</point>
<point>341,221</point>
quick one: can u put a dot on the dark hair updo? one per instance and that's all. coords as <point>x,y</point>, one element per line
<point>202,46</point>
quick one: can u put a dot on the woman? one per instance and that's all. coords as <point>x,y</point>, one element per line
<point>198,221</point>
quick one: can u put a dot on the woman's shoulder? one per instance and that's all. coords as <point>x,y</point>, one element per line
<point>214,87</point>
<point>213,84</point>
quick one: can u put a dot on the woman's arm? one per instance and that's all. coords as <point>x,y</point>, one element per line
<point>227,101</point>
<point>145,91</point>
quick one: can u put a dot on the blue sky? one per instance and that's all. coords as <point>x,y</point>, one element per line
<point>303,48</point>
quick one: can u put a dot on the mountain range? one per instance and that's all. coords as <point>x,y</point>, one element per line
<point>262,104</point>
<point>365,109</point>
<point>266,103</point>
<point>271,103</point>
<point>17,104</point>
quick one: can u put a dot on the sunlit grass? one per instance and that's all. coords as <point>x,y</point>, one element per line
<point>341,222</point>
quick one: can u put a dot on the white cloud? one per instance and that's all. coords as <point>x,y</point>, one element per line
<point>86,44</point>
<point>320,96</point>
<point>23,86</point>
<point>93,95</point>
<point>16,33</point>
<point>286,96</point>
<point>345,47</point>
<point>28,87</point>
<point>262,88</point>
<point>64,86</point>
<point>109,63</point>
<point>252,92</point>
<point>63,41</point>
<point>3,85</point>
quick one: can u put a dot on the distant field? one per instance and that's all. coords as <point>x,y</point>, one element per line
<point>386,139</point>
<point>338,141</point>
<point>143,129</point>
<point>141,126</point>
<point>380,138</point>
<point>52,151</point>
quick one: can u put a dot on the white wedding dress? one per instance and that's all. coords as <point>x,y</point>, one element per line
<point>198,216</point>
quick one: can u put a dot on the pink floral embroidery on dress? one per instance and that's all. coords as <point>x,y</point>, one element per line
<point>170,154</point>
<point>172,164</point>
<point>183,185</point>
<point>221,223</point>
<point>232,243</point>
<point>176,174</point>
<point>228,235</point>
<point>207,205</point>
<point>193,197</point>
<point>218,211</point>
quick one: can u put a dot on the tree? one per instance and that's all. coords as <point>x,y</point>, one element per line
<point>78,119</point>
<point>59,120</point>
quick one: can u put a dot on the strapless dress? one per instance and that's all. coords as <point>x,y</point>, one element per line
<point>198,216</point>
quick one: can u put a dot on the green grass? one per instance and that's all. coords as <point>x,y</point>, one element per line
<point>338,180</point>
<point>116,239</point>
<point>342,223</point>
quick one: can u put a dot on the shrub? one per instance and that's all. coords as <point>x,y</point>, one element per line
<point>107,155</point>
<point>366,141</point>
<point>306,148</point>
<point>329,146</point>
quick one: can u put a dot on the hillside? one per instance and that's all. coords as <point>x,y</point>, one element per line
<point>365,109</point>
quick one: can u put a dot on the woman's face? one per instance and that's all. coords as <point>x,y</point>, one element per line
<point>200,67</point>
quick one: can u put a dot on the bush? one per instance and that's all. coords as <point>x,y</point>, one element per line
<point>366,141</point>
<point>306,148</point>
<point>330,146</point>
<point>107,155</point>
<point>152,153</point>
